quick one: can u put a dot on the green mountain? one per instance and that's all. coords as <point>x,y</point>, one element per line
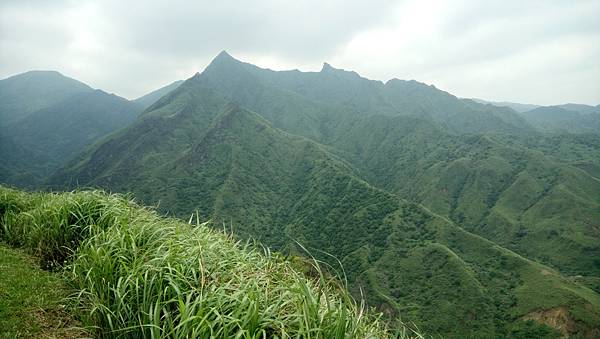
<point>439,209</point>
<point>148,99</point>
<point>540,206</point>
<point>383,134</point>
<point>569,118</point>
<point>25,93</point>
<point>314,103</point>
<point>584,109</point>
<point>51,118</point>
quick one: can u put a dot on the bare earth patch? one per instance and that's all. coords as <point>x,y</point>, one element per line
<point>557,318</point>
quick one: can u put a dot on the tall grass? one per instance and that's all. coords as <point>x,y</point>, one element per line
<point>138,275</point>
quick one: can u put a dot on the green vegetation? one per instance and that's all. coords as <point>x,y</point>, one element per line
<point>569,118</point>
<point>31,300</point>
<point>405,260</point>
<point>500,187</point>
<point>470,220</point>
<point>136,274</point>
<point>47,119</point>
<point>25,93</point>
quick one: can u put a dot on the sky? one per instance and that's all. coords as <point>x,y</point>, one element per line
<point>540,52</point>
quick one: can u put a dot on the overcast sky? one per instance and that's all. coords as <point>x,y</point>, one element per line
<point>542,52</point>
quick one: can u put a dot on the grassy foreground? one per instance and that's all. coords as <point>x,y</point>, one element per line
<point>31,300</point>
<point>135,274</point>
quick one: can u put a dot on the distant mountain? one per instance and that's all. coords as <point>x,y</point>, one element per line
<point>443,211</point>
<point>314,102</point>
<point>583,109</point>
<point>25,93</point>
<point>515,106</point>
<point>569,118</point>
<point>53,118</point>
<point>150,98</point>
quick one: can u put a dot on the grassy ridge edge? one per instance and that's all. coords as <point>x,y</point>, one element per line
<point>137,274</point>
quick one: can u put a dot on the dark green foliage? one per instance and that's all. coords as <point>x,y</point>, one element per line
<point>529,329</point>
<point>540,206</point>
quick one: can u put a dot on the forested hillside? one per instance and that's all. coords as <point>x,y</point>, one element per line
<point>459,216</point>
<point>48,118</point>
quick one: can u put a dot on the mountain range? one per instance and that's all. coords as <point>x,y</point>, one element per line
<point>468,219</point>
<point>49,118</point>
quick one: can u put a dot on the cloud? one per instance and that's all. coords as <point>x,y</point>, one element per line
<point>540,52</point>
<point>536,51</point>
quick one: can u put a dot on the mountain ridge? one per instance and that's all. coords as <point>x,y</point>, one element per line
<point>42,89</point>
<point>225,144</point>
<point>148,99</point>
<point>66,117</point>
<point>426,199</point>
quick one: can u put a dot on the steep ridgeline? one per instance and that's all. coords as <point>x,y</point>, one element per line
<point>417,142</point>
<point>228,147</point>
<point>150,98</point>
<point>412,139</point>
<point>49,119</point>
<point>315,103</point>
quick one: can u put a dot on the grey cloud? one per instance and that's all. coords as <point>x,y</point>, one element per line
<point>501,50</point>
<point>308,29</point>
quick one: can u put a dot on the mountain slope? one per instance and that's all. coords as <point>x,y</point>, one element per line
<point>36,145</point>
<point>536,205</point>
<point>15,167</point>
<point>568,118</point>
<point>25,93</point>
<point>423,154</point>
<point>320,100</point>
<point>197,151</point>
<point>150,98</point>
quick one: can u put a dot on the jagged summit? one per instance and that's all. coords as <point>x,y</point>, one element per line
<point>223,58</point>
<point>400,81</point>
<point>223,55</point>
<point>327,67</point>
<point>224,63</point>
